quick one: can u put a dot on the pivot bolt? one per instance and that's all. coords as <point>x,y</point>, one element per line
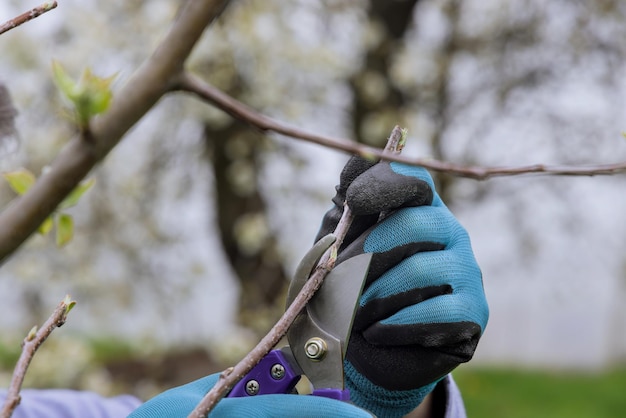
<point>277,371</point>
<point>315,348</point>
<point>252,387</point>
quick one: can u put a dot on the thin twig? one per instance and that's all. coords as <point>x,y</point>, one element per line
<point>229,377</point>
<point>31,343</point>
<point>240,111</point>
<point>25,17</point>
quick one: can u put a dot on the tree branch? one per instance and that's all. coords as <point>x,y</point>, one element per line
<point>163,72</point>
<point>144,89</point>
<point>31,343</point>
<point>240,111</point>
<point>25,17</point>
<point>229,377</point>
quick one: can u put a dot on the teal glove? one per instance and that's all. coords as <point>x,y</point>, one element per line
<point>180,401</point>
<point>423,309</point>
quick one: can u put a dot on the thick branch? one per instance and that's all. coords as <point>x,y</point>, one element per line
<point>231,376</point>
<point>144,89</point>
<point>246,114</point>
<point>25,17</point>
<point>31,343</point>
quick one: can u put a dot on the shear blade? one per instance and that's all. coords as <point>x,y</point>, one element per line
<point>334,305</point>
<point>329,316</point>
<point>306,266</point>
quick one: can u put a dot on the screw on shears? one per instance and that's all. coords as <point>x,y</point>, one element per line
<point>277,371</point>
<point>315,348</point>
<point>252,387</point>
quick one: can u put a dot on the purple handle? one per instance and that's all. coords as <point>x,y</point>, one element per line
<point>272,375</point>
<point>339,394</point>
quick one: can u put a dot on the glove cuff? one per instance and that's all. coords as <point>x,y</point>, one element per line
<point>382,402</point>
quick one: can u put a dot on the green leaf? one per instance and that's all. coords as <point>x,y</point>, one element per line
<point>64,82</point>
<point>32,333</point>
<point>46,226</point>
<point>76,194</point>
<point>405,135</point>
<point>69,303</point>
<point>91,95</point>
<point>20,180</point>
<point>65,229</point>
<point>98,90</point>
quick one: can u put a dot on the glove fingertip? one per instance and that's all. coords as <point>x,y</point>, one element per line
<point>381,189</point>
<point>354,168</point>
<point>412,171</point>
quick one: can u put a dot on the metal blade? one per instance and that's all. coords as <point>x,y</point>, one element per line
<point>334,305</point>
<point>325,325</point>
<point>306,266</point>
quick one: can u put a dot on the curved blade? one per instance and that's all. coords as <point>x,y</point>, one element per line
<point>306,266</point>
<point>334,305</point>
<point>328,317</point>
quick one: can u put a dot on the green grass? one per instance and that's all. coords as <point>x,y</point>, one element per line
<point>9,354</point>
<point>110,349</point>
<point>505,393</point>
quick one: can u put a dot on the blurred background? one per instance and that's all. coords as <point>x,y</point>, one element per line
<point>184,246</point>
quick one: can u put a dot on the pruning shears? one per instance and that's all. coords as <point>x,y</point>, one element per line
<point>318,338</point>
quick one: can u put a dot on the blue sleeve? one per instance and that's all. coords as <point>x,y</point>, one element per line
<point>63,403</point>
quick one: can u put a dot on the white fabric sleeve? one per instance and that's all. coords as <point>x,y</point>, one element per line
<point>64,403</point>
<point>455,408</point>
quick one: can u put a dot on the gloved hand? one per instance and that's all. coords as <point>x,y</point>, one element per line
<point>180,401</point>
<point>423,309</point>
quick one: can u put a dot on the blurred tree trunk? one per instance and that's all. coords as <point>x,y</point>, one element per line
<point>377,102</point>
<point>441,100</point>
<point>247,240</point>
